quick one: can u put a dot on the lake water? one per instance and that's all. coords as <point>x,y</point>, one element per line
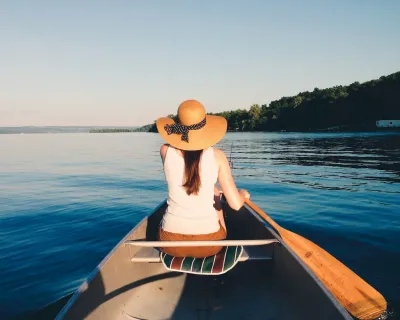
<point>67,199</point>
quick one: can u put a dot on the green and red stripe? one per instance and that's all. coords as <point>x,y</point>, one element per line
<point>220,263</point>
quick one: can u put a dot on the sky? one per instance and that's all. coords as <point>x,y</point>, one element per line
<point>128,62</point>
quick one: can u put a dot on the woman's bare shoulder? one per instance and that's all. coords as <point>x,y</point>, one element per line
<point>163,150</point>
<point>220,155</point>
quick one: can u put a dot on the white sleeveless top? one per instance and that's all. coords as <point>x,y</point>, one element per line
<point>194,214</point>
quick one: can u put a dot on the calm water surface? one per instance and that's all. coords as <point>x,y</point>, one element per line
<point>67,199</point>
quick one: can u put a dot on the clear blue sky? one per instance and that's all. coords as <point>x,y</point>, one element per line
<point>77,62</point>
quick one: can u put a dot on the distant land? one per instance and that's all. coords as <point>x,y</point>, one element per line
<point>145,128</point>
<point>355,107</point>
<point>54,129</point>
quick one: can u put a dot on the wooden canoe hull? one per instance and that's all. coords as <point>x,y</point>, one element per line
<point>281,288</point>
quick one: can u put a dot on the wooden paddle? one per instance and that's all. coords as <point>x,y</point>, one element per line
<point>358,297</point>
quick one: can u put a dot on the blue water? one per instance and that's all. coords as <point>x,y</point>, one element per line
<point>67,199</point>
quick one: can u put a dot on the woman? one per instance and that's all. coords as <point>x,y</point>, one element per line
<point>192,167</point>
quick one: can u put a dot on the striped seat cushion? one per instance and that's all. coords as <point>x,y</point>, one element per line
<point>220,263</point>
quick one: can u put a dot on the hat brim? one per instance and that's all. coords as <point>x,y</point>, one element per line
<point>209,135</point>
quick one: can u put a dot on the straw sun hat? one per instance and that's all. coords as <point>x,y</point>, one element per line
<point>195,130</point>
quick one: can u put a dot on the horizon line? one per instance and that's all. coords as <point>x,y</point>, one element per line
<point>70,126</point>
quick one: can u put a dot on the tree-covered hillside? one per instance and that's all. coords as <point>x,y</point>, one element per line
<point>353,107</point>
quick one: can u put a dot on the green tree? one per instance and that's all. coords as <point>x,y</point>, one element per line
<point>255,111</point>
<point>297,101</point>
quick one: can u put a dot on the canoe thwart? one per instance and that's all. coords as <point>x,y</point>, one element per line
<point>250,253</point>
<point>204,243</point>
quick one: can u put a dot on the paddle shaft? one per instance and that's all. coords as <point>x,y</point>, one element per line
<point>357,297</point>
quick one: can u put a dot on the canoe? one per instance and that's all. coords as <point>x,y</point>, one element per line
<point>268,282</point>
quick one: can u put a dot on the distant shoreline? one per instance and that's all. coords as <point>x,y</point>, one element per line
<point>278,131</point>
<point>56,129</point>
<point>349,108</point>
<point>328,130</point>
<point>339,128</point>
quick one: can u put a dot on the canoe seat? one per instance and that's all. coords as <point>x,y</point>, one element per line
<point>217,264</point>
<point>152,255</point>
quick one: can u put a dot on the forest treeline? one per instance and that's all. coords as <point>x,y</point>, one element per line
<point>354,107</point>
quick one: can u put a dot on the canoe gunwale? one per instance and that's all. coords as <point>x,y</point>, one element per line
<point>329,294</point>
<point>95,272</point>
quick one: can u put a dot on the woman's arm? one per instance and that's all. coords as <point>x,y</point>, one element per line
<point>163,151</point>
<point>234,197</point>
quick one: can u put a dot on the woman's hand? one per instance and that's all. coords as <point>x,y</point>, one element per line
<point>244,193</point>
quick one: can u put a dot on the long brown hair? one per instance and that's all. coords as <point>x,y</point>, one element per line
<point>192,171</point>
